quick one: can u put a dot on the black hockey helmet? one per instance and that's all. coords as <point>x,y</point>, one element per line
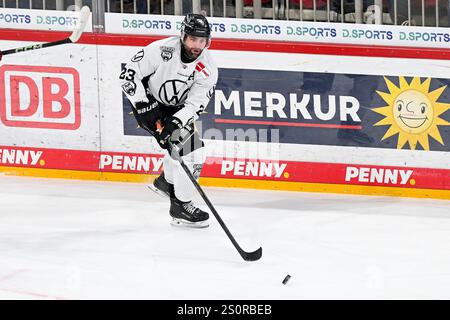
<point>195,25</point>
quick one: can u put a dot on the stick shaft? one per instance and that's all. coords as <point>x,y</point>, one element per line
<point>36,46</point>
<point>209,204</point>
<point>248,256</point>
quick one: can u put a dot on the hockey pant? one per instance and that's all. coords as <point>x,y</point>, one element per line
<point>174,173</point>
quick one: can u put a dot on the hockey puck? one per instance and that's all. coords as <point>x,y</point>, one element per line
<point>286,279</point>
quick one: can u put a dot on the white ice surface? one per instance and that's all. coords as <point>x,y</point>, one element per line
<point>65,239</point>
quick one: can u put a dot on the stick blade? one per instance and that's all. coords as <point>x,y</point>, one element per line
<point>252,256</point>
<point>84,17</point>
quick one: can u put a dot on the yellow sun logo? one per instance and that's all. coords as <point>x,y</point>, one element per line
<point>412,112</point>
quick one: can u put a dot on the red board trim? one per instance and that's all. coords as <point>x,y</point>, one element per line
<point>240,45</point>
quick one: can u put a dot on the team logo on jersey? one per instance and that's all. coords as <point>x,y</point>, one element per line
<point>166,53</point>
<point>138,56</point>
<point>129,88</point>
<point>173,92</point>
<point>200,68</point>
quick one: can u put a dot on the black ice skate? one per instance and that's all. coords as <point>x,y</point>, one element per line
<point>161,186</point>
<point>186,214</point>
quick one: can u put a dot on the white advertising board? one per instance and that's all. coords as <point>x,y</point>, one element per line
<point>50,97</point>
<point>279,30</point>
<point>231,28</point>
<point>40,19</point>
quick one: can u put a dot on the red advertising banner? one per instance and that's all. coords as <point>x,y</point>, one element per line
<point>247,169</point>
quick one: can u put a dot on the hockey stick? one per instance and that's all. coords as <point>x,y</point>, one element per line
<point>76,34</point>
<point>247,256</point>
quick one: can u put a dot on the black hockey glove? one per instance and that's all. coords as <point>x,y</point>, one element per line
<point>147,113</point>
<point>170,125</point>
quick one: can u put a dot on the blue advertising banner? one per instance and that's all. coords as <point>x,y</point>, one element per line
<point>325,109</point>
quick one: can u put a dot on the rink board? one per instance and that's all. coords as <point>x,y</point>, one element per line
<point>231,172</point>
<point>88,133</point>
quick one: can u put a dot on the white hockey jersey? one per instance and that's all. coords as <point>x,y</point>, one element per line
<point>170,81</point>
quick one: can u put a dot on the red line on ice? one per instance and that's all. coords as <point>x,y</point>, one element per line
<point>12,274</point>
<point>39,295</point>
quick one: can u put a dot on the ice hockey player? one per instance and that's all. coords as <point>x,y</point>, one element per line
<point>169,83</point>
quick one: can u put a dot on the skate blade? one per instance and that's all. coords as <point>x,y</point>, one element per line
<point>184,223</point>
<point>157,191</point>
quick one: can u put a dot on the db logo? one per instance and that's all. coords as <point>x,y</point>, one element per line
<point>40,97</point>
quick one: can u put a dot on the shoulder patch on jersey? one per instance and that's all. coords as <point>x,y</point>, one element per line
<point>166,53</point>
<point>138,56</point>
<point>129,88</point>
<point>201,68</point>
